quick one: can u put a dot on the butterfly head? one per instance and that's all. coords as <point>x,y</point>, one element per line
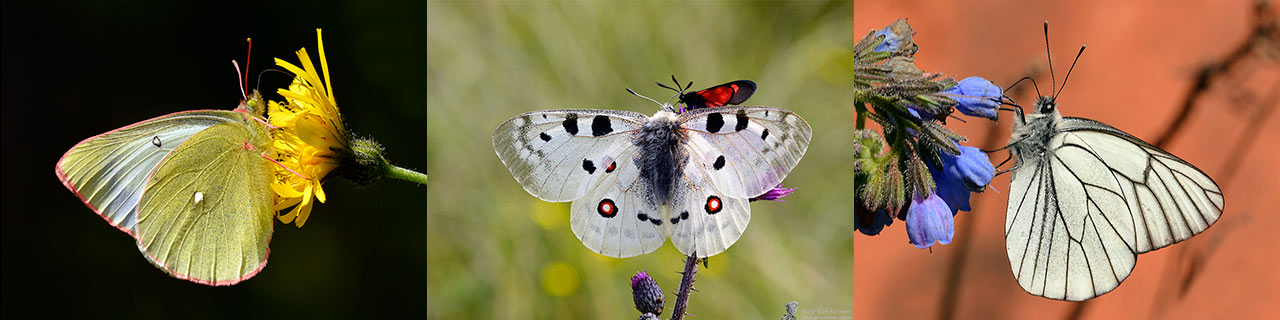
<point>1046,104</point>
<point>253,104</point>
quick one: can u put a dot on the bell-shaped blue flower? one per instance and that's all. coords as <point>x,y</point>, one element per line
<point>892,41</point>
<point>976,97</point>
<point>871,222</point>
<point>972,169</point>
<point>929,220</point>
<point>950,190</point>
<point>961,175</point>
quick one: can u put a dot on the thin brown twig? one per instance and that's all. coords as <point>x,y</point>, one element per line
<point>1263,26</point>
<point>686,285</point>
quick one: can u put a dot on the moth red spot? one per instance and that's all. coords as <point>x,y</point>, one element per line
<point>718,96</point>
<point>612,165</point>
<point>713,205</point>
<point>607,209</point>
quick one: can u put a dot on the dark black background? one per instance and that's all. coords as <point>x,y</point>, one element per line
<point>73,69</point>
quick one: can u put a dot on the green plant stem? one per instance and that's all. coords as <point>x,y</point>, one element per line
<point>862,115</point>
<point>395,172</point>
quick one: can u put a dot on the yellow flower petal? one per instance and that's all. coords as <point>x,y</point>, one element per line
<point>308,136</point>
<point>285,191</point>
<point>319,193</point>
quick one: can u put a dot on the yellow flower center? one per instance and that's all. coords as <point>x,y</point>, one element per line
<point>308,135</point>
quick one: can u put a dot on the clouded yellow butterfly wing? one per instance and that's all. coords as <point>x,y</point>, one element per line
<point>192,187</point>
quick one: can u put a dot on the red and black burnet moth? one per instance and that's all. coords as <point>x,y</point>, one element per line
<point>734,92</point>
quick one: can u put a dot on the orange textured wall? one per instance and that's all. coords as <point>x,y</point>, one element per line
<point>1141,59</point>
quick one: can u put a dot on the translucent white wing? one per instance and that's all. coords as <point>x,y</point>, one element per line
<point>702,217</point>
<point>1080,213</point>
<point>109,171</point>
<point>614,217</point>
<point>550,152</point>
<point>745,151</point>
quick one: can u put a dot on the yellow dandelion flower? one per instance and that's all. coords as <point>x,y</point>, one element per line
<point>309,136</point>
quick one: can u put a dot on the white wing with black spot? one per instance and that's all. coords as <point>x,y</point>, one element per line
<point>745,151</point>
<point>703,219</point>
<point>1081,212</point>
<point>615,218</point>
<point>554,153</point>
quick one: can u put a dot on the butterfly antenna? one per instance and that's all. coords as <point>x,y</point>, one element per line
<point>638,95</point>
<point>239,78</point>
<point>248,57</point>
<point>1050,55</point>
<point>1073,67</point>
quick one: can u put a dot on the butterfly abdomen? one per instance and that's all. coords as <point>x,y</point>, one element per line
<point>660,158</point>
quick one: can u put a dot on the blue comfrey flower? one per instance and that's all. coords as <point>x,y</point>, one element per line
<point>951,190</point>
<point>976,97</point>
<point>916,170</point>
<point>929,220</point>
<point>874,221</point>
<point>892,41</point>
<point>959,176</point>
<point>972,169</point>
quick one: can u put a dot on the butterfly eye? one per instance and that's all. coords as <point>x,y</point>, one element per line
<point>1046,105</point>
<point>713,205</point>
<point>607,209</point>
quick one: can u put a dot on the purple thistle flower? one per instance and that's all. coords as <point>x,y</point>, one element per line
<point>646,294</point>
<point>929,220</point>
<point>976,97</point>
<point>776,194</point>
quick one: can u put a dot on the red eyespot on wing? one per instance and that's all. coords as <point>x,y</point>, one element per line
<point>713,205</point>
<point>612,165</point>
<point>607,209</point>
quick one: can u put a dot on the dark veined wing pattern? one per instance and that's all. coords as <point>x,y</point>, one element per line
<point>1080,213</point>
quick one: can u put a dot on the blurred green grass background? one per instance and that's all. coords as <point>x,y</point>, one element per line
<point>494,251</point>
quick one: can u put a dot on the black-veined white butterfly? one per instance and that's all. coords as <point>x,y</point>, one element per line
<point>1086,198</point>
